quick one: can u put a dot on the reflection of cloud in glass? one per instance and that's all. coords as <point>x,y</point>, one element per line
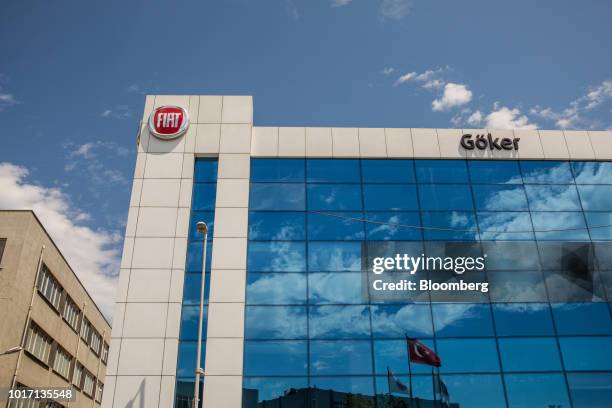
<point>593,173</point>
<point>285,258</point>
<point>449,315</point>
<point>521,307</point>
<point>388,230</point>
<point>547,174</point>
<point>276,322</point>
<point>500,198</point>
<point>280,288</point>
<point>501,225</point>
<point>409,318</point>
<point>335,288</point>
<point>553,198</point>
<point>334,256</point>
<point>459,220</point>
<point>346,321</point>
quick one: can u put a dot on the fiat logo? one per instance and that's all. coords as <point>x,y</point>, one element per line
<point>168,122</point>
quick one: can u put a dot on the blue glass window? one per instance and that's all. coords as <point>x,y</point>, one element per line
<point>546,172</point>
<point>348,389</point>
<point>192,288</point>
<point>396,321</point>
<point>592,172</point>
<point>394,354</point>
<point>332,171</point>
<point>523,319</point>
<point>339,288</point>
<point>518,256</point>
<point>495,172</point>
<point>276,288</point>
<point>334,197</point>
<point>195,253</point>
<point>559,226</point>
<point>275,170</point>
<point>500,198</point>
<point>536,390</point>
<point>259,389</point>
<point>553,198</point>
<point>393,226</point>
<point>475,391</point>
<point>468,355</point>
<point>187,354</point>
<point>590,390</point>
<point>389,197</point>
<point>335,226</point>
<point>462,320</point>
<point>596,198</point>
<point>387,171</point>
<point>340,358</point>
<point>600,225</point>
<point>439,197</point>
<point>334,256</point>
<point>450,226</point>
<point>441,171</point>
<point>530,354</point>
<point>586,353</point>
<point>275,322</point>
<point>275,358</point>
<point>205,171</point>
<point>276,256</point>
<point>190,316</point>
<point>517,286</point>
<point>496,226</point>
<point>272,226</point>
<point>582,318</point>
<point>280,196</point>
<point>421,385</point>
<point>336,322</point>
<point>204,195</point>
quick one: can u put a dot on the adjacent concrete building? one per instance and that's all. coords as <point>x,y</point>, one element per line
<point>43,302</point>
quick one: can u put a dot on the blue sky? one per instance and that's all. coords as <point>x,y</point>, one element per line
<point>73,77</point>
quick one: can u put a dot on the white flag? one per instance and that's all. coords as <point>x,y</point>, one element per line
<point>395,385</point>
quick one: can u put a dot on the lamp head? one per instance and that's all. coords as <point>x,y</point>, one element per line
<point>202,227</point>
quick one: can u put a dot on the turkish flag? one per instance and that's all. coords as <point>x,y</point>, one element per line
<point>421,354</point>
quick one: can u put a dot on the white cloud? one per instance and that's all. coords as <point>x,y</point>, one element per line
<point>430,79</point>
<point>340,3</point>
<point>454,95</point>
<point>406,78</point>
<point>387,71</point>
<point>475,118</point>
<point>394,9</point>
<point>573,115</point>
<point>506,118</point>
<point>6,99</point>
<point>93,254</point>
<point>133,88</point>
<point>118,112</point>
<point>89,158</point>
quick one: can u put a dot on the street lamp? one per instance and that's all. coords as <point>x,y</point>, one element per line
<point>202,229</point>
<point>12,350</point>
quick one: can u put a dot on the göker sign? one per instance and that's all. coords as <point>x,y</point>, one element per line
<point>168,122</point>
<point>484,142</point>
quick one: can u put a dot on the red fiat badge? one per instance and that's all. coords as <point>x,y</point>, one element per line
<point>168,122</point>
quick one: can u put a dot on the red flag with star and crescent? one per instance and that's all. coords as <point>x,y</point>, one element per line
<point>421,354</point>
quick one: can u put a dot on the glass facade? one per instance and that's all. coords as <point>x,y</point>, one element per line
<point>202,209</point>
<point>540,337</point>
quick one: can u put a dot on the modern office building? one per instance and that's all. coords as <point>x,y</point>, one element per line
<point>44,306</point>
<point>296,216</point>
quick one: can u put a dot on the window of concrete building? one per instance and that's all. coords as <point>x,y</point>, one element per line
<point>99,391</point>
<point>77,377</point>
<point>38,343</point>
<point>2,245</point>
<point>61,362</point>
<point>86,331</point>
<point>104,352</point>
<point>96,342</point>
<point>88,384</point>
<point>71,313</point>
<point>49,287</point>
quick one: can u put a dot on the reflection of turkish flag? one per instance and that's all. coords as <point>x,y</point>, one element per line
<point>421,354</point>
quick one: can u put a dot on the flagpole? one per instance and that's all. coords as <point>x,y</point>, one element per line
<point>433,381</point>
<point>409,368</point>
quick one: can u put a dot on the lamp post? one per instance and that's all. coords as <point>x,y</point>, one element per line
<point>12,350</point>
<point>202,229</point>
